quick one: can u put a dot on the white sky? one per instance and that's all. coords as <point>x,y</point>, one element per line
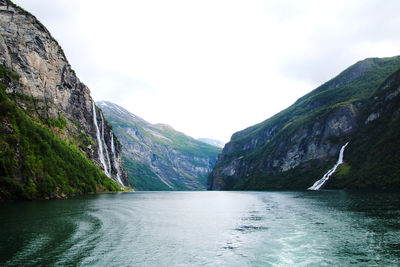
<point>211,68</point>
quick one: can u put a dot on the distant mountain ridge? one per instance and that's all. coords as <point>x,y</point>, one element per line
<point>294,148</point>
<point>156,156</point>
<point>212,142</point>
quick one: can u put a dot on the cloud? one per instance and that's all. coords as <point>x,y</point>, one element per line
<point>336,36</point>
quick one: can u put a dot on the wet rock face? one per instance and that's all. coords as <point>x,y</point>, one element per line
<point>27,48</point>
<point>114,167</point>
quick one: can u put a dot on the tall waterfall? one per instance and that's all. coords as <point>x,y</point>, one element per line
<point>115,158</point>
<point>100,143</point>
<point>108,163</point>
<point>317,185</point>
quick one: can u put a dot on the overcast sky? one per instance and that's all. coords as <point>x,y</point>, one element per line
<point>211,68</point>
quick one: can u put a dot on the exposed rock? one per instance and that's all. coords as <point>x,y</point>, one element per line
<point>27,48</point>
<point>372,117</point>
<point>342,122</point>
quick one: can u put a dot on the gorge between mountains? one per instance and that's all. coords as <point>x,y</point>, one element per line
<point>173,200</point>
<point>287,151</point>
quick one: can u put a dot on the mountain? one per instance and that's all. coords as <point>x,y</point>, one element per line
<point>156,156</point>
<point>294,148</point>
<point>54,141</point>
<point>212,142</point>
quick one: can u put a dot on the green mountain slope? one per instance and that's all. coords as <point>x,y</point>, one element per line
<point>156,156</point>
<point>297,146</point>
<point>34,162</point>
<point>373,162</point>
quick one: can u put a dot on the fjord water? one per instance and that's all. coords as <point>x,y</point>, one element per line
<point>313,228</point>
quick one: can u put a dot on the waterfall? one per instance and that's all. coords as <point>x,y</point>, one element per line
<point>105,160</point>
<point>115,159</point>
<point>100,142</point>
<point>318,184</point>
<point>105,145</point>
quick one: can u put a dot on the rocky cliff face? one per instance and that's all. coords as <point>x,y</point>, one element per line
<point>297,146</point>
<point>158,157</point>
<point>46,77</point>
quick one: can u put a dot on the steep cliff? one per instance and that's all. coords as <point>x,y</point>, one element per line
<point>156,156</point>
<point>50,93</point>
<point>373,162</point>
<point>294,148</point>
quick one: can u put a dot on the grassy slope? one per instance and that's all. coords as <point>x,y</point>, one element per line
<point>178,140</point>
<point>188,145</point>
<point>35,163</point>
<point>323,99</point>
<point>141,176</point>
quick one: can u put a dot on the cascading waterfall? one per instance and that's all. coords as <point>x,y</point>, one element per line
<point>318,184</point>
<point>100,142</point>
<point>105,145</point>
<point>115,158</point>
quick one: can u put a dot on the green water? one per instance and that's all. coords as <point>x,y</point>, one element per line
<point>326,228</point>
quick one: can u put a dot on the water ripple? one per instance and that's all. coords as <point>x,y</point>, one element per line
<point>204,229</point>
